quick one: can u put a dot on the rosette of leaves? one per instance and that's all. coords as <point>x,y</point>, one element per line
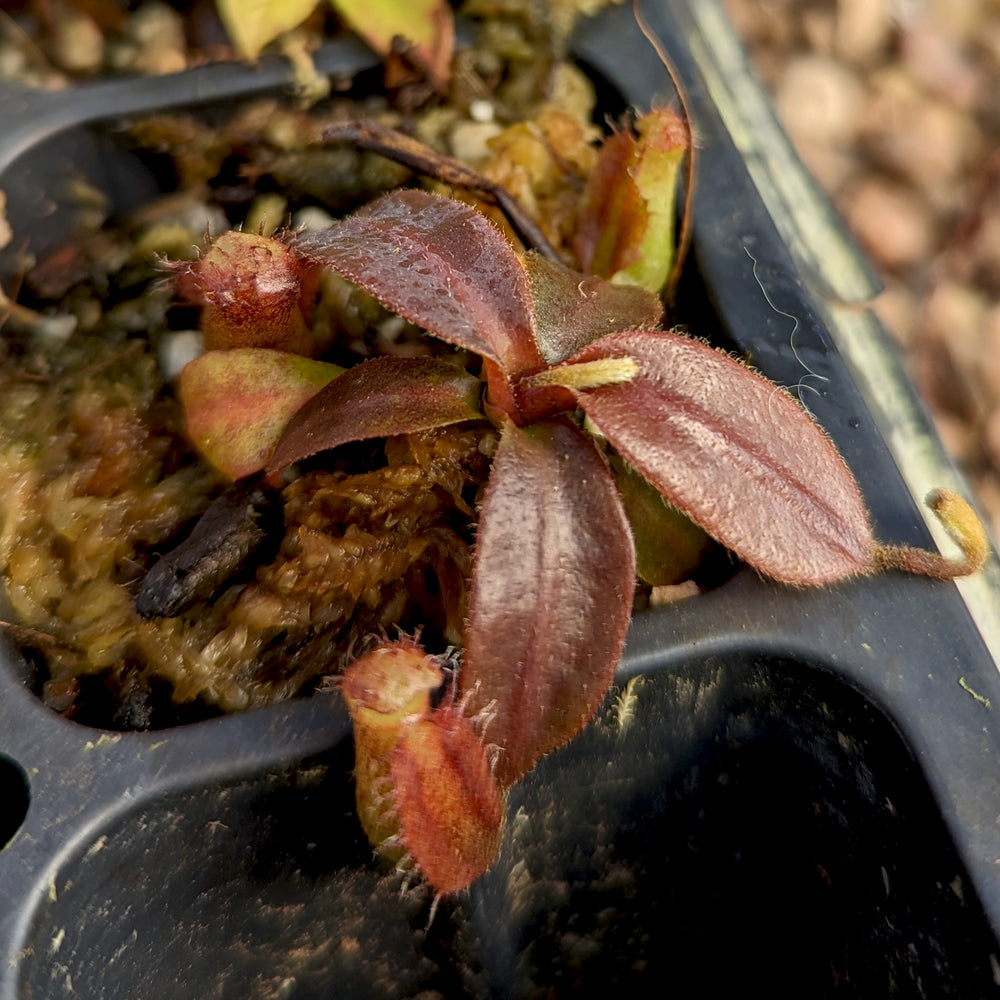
<point>573,370</point>
<point>554,568</point>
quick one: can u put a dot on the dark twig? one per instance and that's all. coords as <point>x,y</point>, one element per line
<point>412,153</point>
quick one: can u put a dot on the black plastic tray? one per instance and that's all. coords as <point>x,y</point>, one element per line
<point>798,791</point>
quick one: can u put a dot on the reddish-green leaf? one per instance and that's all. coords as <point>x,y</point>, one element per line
<point>572,309</point>
<point>736,454</point>
<point>440,264</point>
<point>238,402</point>
<point>551,592</point>
<point>626,230</point>
<point>378,398</point>
<point>450,809</point>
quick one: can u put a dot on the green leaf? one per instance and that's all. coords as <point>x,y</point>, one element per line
<point>252,24</point>
<point>668,545</point>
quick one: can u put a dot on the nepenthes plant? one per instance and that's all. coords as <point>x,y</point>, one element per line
<point>582,395</point>
<point>438,607</point>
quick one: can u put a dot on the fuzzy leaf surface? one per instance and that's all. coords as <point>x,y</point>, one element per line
<point>379,398</point>
<point>551,592</point>
<point>734,453</point>
<point>441,265</point>
<point>573,309</point>
<point>450,809</point>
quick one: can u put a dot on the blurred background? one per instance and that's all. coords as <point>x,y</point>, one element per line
<point>895,107</point>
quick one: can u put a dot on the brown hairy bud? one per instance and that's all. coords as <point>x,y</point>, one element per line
<point>254,292</point>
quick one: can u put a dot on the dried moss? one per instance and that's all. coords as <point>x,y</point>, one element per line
<point>97,478</point>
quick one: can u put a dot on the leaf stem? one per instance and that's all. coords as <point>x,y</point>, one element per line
<point>966,530</point>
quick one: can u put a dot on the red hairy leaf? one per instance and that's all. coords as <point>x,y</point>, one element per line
<point>551,592</point>
<point>572,309</point>
<point>450,810</point>
<point>376,399</point>
<point>441,265</point>
<point>736,454</point>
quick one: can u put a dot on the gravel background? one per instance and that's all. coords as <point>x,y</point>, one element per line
<point>895,107</point>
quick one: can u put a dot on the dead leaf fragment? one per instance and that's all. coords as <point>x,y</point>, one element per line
<point>426,27</point>
<point>252,24</point>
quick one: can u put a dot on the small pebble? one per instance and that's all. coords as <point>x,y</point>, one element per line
<point>13,62</point>
<point>985,247</point>
<point>671,593</point>
<point>899,312</point>
<point>156,24</point>
<point>892,223</point>
<point>991,438</point>
<point>177,349</point>
<point>53,331</point>
<point>469,140</point>
<point>819,28</point>
<point>956,436</point>
<point>311,219</point>
<point>482,110</point>
<point>819,98</point>
<point>987,489</point>
<point>927,141</point>
<point>941,65</point>
<point>267,213</point>
<point>956,315</point>
<point>5,231</point>
<point>991,352</point>
<point>202,218</point>
<point>158,33</point>
<point>77,43</point>
<point>863,30</point>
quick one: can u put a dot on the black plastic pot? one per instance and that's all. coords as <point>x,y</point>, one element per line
<point>788,790</point>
